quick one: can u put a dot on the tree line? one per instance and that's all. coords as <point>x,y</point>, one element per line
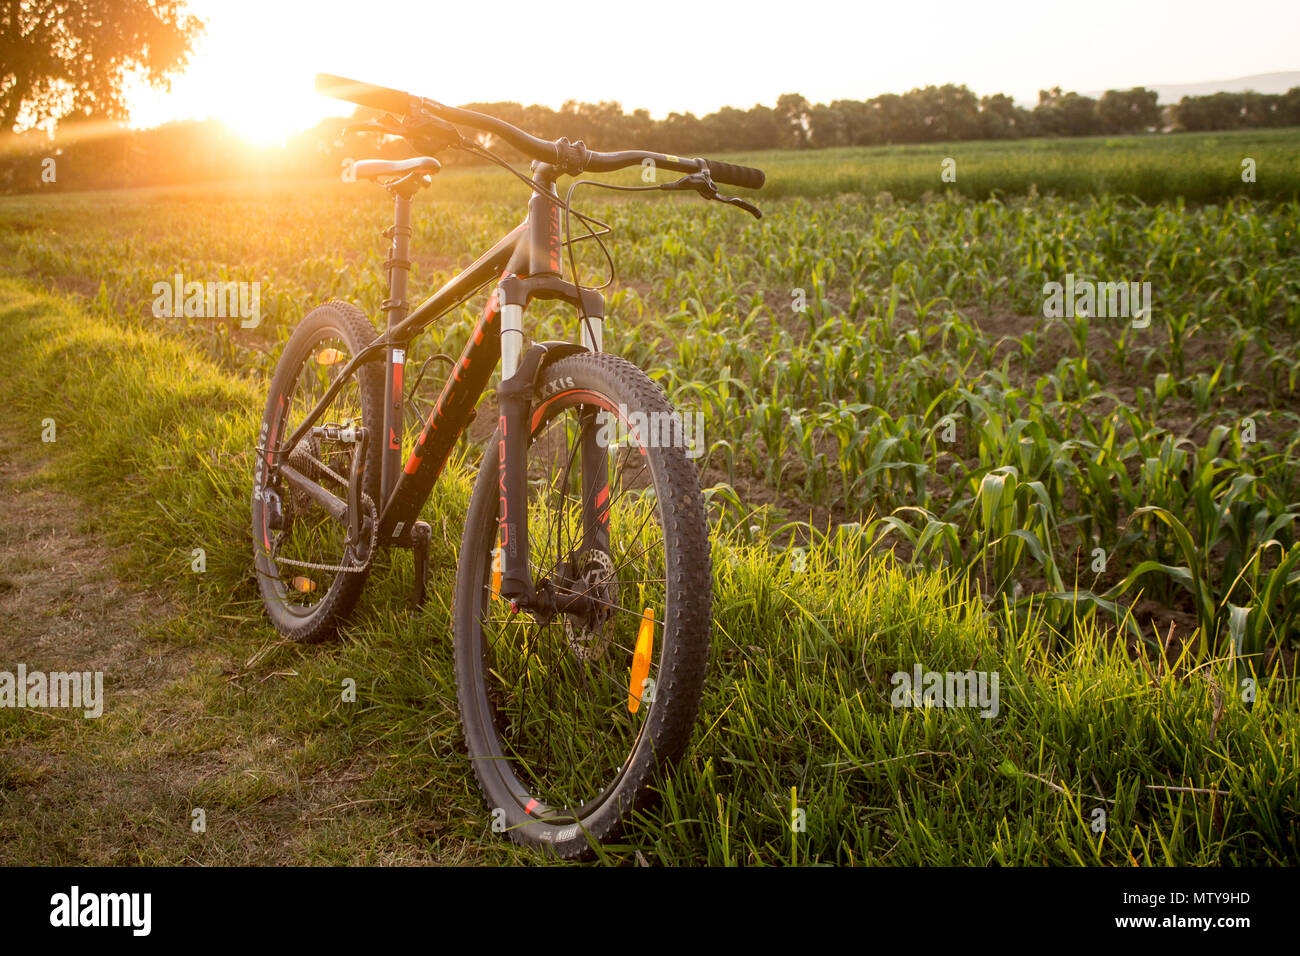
<point>933,114</point>
<point>205,151</point>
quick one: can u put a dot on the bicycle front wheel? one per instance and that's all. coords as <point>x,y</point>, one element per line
<point>568,718</point>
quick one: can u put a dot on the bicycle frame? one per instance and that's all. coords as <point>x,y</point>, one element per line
<point>527,262</point>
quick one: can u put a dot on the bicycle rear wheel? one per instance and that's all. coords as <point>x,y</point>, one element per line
<point>300,549</point>
<point>568,719</point>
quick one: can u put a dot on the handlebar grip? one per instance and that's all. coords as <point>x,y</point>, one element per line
<point>746,177</point>
<point>365,94</point>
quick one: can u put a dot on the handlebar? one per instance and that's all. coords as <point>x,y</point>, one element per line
<point>572,158</point>
<point>365,94</point>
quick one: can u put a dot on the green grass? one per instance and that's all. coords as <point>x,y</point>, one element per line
<point>797,709</point>
<point>1196,167</point>
<point>1193,167</point>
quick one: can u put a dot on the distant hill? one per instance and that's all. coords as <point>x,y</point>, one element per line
<point>1173,92</point>
<point>1259,82</point>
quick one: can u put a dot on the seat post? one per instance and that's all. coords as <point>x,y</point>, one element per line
<point>398,267</point>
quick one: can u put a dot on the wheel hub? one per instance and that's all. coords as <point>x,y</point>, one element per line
<point>592,574</point>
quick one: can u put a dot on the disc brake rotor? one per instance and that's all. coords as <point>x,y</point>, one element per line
<point>589,634</point>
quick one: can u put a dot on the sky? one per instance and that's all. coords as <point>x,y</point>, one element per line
<point>254,67</point>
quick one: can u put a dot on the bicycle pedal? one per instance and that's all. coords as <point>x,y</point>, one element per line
<point>421,537</point>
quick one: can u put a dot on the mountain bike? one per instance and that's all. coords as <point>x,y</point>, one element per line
<point>582,601</point>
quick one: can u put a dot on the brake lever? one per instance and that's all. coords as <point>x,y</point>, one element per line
<point>429,134</point>
<point>744,204</point>
<point>426,133</point>
<point>702,183</point>
<point>371,128</point>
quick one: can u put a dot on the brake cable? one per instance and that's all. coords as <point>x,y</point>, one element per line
<point>700,182</point>
<point>592,234</point>
<point>414,387</point>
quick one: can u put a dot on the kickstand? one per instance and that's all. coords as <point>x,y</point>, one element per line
<point>421,536</point>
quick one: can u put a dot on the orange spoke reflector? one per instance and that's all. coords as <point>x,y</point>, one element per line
<point>329,357</point>
<point>304,585</point>
<point>496,574</point>
<point>645,646</point>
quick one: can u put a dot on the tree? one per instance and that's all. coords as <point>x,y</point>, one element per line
<point>946,113</point>
<point>763,127</point>
<point>1128,112</point>
<point>1215,111</point>
<point>1260,110</point>
<point>1066,114</point>
<point>683,134</point>
<point>1291,107</point>
<point>895,117</point>
<point>828,126</point>
<point>1001,118</point>
<point>793,108</point>
<point>732,129</point>
<point>861,124</point>
<point>58,57</point>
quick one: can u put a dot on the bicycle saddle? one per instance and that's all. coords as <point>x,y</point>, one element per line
<point>373,168</point>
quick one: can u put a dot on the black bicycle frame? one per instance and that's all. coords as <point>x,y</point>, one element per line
<point>527,262</point>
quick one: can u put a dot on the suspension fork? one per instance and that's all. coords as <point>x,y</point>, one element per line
<point>520,372</point>
<point>538,256</point>
<point>514,398</point>
<point>594,457</point>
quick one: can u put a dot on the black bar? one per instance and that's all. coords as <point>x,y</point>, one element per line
<point>450,416</point>
<point>932,909</point>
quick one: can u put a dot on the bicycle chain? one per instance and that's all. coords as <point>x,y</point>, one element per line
<point>371,511</point>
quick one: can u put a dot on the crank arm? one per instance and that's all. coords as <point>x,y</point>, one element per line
<point>354,484</point>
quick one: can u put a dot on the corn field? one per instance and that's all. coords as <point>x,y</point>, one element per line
<point>870,367</point>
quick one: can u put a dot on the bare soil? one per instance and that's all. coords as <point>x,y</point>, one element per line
<point>120,789</point>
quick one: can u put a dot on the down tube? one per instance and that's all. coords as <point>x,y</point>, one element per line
<point>448,419</point>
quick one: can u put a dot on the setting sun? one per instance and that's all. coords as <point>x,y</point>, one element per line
<point>243,78</point>
<point>258,79</point>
